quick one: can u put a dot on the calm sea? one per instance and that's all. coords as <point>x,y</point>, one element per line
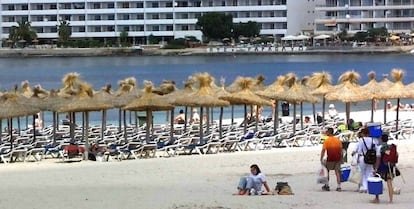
<point>99,71</point>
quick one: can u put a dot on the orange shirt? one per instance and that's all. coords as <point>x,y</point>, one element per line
<point>333,147</point>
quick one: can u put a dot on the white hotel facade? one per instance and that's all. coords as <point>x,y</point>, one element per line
<point>334,16</point>
<point>162,18</point>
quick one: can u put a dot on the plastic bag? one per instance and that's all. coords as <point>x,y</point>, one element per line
<point>355,176</point>
<point>322,175</point>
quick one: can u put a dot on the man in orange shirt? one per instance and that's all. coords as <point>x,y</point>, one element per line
<point>333,148</point>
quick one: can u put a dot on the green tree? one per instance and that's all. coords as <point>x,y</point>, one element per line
<point>216,26</point>
<point>249,29</point>
<point>64,31</point>
<point>377,33</point>
<point>22,32</point>
<point>361,36</point>
<point>123,36</point>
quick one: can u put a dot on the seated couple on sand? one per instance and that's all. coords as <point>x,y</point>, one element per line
<point>252,184</point>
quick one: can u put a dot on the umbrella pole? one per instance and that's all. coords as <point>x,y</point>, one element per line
<point>10,126</point>
<point>147,132</point>
<point>83,124</point>
<point>323,111</point>
<point>1,131</point>
<point>314,113</point>
<point>18,126</point>
<point>34,128</point>
<point>172,124</point>
<point>385,111</point>
<point>276,118</point>
<point>72,125</point>
<point>301,115</point>
<point>221,123</point>
<point>27,121</point>
<point>54,127</point>
<point>348,111</point>
<point>86,135</point>
<point>294,118</point>
<point>256,119</point>
<point>57,120</point>
<point>185,119</point>
<point>372,110</point>
<point>232,115</point>
<point>103,124</point>
<point>136,120</point>
<point>201,126</point>
<point>207,121</point>
<point>125,127</point>
<point>245,119</point>
<point>397,116</point>
<point>130,117</point>
<point>119,120</point>
<point>211,118</point>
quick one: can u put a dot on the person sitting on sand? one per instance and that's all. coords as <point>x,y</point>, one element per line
<point>252,184</point>
<point>332,111</point>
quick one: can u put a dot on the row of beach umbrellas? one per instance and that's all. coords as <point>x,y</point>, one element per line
<point>200,90</point>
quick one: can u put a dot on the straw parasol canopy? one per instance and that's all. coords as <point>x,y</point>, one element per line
<point>126,92</point>
<point>259,83</point>
<point>320,82</point>
<point>246,97</point>
<point>71,84</point>
<point>203,97</point>
<point>105,95</point>
<point>348,91</point>
<point>13,105</point>
<point>26,90</point>
<point>166,87</point>
<point>273,91</point>
<point>398,90</point>
<point>149,102</point>
<point>375,89</point>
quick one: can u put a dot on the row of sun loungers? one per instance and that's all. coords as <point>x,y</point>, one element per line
<point>116,146</point>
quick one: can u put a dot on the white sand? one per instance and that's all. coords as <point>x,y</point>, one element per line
<point>188,182</point>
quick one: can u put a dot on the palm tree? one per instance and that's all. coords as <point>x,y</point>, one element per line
<point>22,32</point>
<point>64,31</point>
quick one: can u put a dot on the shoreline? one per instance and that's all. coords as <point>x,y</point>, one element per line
<point>201,51</point>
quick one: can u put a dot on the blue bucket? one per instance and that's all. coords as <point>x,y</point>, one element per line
<point>375,185</point>
<point>345,174</point>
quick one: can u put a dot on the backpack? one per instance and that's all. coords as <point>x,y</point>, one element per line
<point>370,157</point>
<point>283,188</point>
<point>390,155</point>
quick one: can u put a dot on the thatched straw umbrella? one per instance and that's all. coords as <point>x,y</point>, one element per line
<point>84,102</point>
<point>166,87</point>
<point>246,97</point>
<point>273,91</point>
<point>188,89</point>
<point>106,96</point>
<point>12,105</point>
<point>220,92</point>
<point>321,82</point>
<point>149,102</point>
<point>296,94</point>
<point>385,84</point>
<point>397,91</point>
<point>203,97</point>
<point>348,91</point>
<point>375,89</point>
<point>126,93</point>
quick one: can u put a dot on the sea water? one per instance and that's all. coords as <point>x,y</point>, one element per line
<point>99,71</point>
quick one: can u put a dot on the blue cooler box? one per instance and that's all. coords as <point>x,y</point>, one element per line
<point>374,129</point>
<point>345,171</point>
<point>375,185</point>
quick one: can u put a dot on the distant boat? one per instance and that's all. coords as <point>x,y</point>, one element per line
<point>412,51</point>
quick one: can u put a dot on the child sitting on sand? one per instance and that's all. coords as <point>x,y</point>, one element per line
<point>252,184</point>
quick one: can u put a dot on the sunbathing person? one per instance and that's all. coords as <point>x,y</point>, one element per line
<point>180,119</point>
<point>252,184</point>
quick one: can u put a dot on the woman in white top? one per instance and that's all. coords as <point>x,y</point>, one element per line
<point>252,184</point>
<point>332,111</point>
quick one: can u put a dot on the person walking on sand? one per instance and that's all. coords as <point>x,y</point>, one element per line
<point>364,144</point>
<point>384,168</point>
<point>252,184</point>
<point>333,148</point>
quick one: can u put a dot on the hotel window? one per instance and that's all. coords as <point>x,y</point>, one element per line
<point>110,28</point>
<point>111,17</point>
<point>210,3</point>
<point>169,16</point>
<point>140,5</point>
<point>184,27</point>
<point>155,16</point>
<point>53,30</point>
<point>97,29</point>
<point>111,5</point>
<point>154,5</point>
<point>259,2</point>
<point>81,29</point>
<point>25,7</point>
<point>169,28</point>
<point>223,3</point>
<point>65,17</point>
<point>197,4</point>
<point>39,7</point>
<point>53,6</point>
<point>184,16</point>
<point>81,18</point>
<point>96,6</point>
<point>125,5</point>
<point>168,4</point>
<point>140,16</point>
<point>140,28</point>
<point>155,28</point>
<point>197,14</point>
<point>10,7</point>
<point>125,17</point>
<point>97,17</point>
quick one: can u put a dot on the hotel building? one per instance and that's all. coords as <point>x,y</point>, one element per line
<point>359,15</point>
<point>105,19</point>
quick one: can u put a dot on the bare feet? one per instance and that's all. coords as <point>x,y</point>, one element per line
<point>375,201</point>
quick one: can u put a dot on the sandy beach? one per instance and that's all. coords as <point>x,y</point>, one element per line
<point>190,182</point>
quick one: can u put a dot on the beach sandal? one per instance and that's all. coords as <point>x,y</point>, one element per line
<point>338,189</point>
<point>325,188</point>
